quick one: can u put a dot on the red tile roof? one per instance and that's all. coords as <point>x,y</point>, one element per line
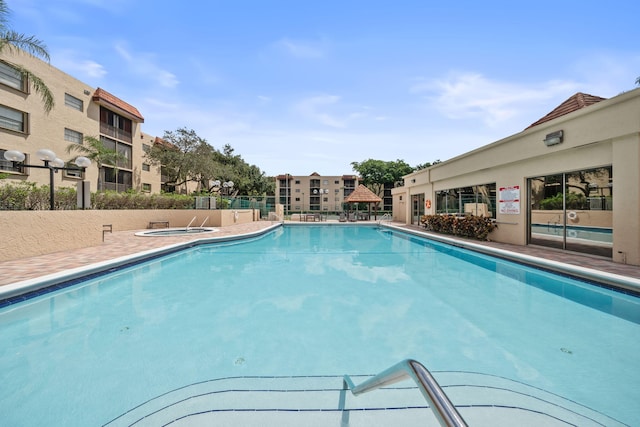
<point>576,102</point>
<point>101,96</point>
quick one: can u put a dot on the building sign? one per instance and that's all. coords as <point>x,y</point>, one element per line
<point>509,200</point>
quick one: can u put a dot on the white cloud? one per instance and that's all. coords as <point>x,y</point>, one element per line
<point>471,95</point>
<point>145,65</point>
<point>327,110</point>
<point>71,62</point>
<point>311,109</point>
<point>302,49</point>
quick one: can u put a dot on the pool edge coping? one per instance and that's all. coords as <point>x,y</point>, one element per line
<point>624,283</point>
<point>14,290</point>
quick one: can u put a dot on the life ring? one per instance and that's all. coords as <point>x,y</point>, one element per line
<point>427,204</point>
<point>572,215</point>
<point>572,233</point>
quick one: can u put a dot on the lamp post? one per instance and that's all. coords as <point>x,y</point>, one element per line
<point>228,186</point>
<point>51,162</point>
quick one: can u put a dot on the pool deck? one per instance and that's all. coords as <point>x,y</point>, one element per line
<point>125,243</point>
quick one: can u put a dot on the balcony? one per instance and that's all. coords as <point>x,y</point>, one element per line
<point>115,132</point>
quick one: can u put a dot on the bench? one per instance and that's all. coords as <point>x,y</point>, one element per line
<point>160,224</point>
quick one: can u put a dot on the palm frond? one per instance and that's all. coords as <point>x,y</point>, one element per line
<point>38,85</point>
<point>13,41</point>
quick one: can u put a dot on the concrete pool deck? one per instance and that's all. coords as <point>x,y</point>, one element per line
<point>124,243</point>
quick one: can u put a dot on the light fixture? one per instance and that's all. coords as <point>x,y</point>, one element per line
<point>51,162</point>
<point>554,138</point>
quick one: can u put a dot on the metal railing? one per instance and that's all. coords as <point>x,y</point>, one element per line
<point>386,217</point>
<point>443,409</point>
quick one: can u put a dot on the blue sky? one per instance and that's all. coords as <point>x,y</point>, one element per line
<point>343,81</point>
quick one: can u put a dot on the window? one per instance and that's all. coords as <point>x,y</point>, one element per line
<point>146,187</point>
<point>325,182</point>
<point>123,149</point>
<point>9,166</point>
<point>297,181</point>
<point>146,167</point>
<point>11,77</point>
<point>146,148</point>
<point>73,102</point>
<point>13,119</point>
<point>72,136</point>
<point>336,182</point>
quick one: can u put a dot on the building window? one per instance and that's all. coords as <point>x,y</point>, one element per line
<point>297,190</point>
<point>8,165</point>
<point>72,136</point>
<point>11,77</point>
<point>297,181</point>
<point>73,102</point>
<point>122,148</point>
<point>146,187</point>
<point>325,182</point>
<point>13,119</point>
<point>336,182</point>
<point>146,167</point>
<point>146,148</point>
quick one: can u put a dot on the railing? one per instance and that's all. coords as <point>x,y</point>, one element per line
<point>443,409</point>
<point>204,222</point>
<point>191,222</point>
<point>386,217</point>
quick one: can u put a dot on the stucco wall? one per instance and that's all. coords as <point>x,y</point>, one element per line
<point>30,233</point>
<point>607,133</point>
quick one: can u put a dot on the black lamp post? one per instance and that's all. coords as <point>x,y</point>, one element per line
<point>51,162</point>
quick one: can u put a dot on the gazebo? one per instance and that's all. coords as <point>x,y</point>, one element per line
<point>363,195</point>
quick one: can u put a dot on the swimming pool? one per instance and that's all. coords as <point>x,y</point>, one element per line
<point>312,300</point>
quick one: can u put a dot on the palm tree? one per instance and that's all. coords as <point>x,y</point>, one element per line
<point>15,42</point>
<point>95,151</point>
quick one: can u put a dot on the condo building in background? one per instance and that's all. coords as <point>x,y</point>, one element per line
<point>80,111</point>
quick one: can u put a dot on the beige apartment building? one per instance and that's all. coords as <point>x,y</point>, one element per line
<point>79,111</point>
<point>570,181</point>
<point>314,193</point>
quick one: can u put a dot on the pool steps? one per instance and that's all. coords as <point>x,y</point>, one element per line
<point>439,403</point>
<point>283,401</point>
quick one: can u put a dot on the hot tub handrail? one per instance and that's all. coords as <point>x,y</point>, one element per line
<point>443,409</point>
<point>204,222</point>
<point>189,225</point>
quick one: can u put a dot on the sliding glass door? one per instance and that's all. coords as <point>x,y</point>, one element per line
<point>573,211</point>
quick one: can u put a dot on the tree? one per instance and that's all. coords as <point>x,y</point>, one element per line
<point>95,151</point>
<point>638,81</point>
<point>186,157</point>
<point>376,173</point>
<point>426,165</point>
<point>14,42</point>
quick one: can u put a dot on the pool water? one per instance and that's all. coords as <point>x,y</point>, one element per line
<point>312,300</point>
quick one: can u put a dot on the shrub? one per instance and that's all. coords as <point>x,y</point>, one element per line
<point>29,196</point>
<point>471,226</point>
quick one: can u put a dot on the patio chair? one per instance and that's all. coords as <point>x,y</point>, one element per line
<point>343,217</point>
<point>352,217</point>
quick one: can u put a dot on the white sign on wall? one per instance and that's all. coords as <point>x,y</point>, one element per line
<point>509,200</point>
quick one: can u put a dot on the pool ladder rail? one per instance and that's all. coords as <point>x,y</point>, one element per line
<point>386,217</point>
<point>443,409</point>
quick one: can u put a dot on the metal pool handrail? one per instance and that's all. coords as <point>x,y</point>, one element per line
<point>386,217</point>
<point>189,225</point>
<point>443,409</point>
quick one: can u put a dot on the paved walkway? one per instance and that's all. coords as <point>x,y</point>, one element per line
<point>124,243</point>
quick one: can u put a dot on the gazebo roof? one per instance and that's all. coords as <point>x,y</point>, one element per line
<point>362,195</point>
